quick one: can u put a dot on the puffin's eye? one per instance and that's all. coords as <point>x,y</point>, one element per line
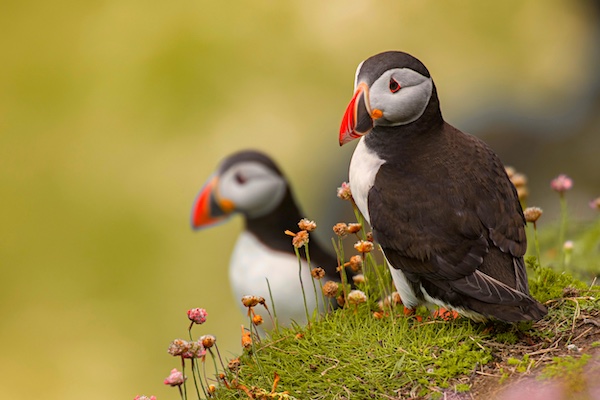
<point>239,178</point>
<point>394,86</point>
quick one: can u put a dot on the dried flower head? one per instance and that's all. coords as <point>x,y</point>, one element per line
<point>330,289</point>
<point>370,236</point>
<point>177,347</point>
<point>212,389</point>
<point>340,229</point>
<point>176,378</point>
<point>197,315</point>
<point>519,180</point>
<point>359,278</point>
<point>307,225</point>
<point>251,301</point>
<point>340,300</point>
<point>246,338</point>
<point>363,246</point>
<point>343,192</point>
<point>257,320</point>
<point>194,350</point>
<point>141,397</point>
<point>522,193</point>
<point>317,273</point>
<point>561,183</point>
<point>234,364</point>
<point>207,341</point>
<point>300,239</point>
<point>357,297</point>
<point>532,214</point>
<point>356,262</point>
<point>393,299</point>
<point>354,227</point>
<point>595,204</point>
<point>510,171</point>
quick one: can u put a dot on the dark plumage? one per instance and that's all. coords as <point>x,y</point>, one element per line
<point>439,201</point>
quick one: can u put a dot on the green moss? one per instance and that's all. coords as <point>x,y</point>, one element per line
<point>462,387</point>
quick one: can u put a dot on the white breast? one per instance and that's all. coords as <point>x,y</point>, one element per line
<point>252,263</point>
<point>363,168</point>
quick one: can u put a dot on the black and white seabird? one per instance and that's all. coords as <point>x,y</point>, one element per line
<point>250,183</point>
<point>438,200</point>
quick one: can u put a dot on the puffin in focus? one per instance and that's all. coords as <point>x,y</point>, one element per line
<point>250,183</point>
<point>438,200</point>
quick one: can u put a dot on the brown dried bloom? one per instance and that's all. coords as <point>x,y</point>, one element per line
<point>340,300</point>
<point>343,192</point>
<point>212,389</point>
<point>356,297</point>
<point>307,225</point>
<point>356,262</point>
<point>317,273</point>
<point>354,227</point>
<point>251,301</point>
<point>510,171</point>
<point>234,364</point>
<point>300,239</point>
<point>246,338</point>
<point>370,236</point>
<point>257,320</point>
<point>330,289</point>
<point>363,246</point>
<point>360,278</point>
<point>340,229</point>
<point>207,341</point>
<point>519,180</point>
<point>532,214</point>
<point>177,347</point>
<point>522,193</point>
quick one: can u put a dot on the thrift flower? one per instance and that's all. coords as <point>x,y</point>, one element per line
<point>340,229</point>
<point>330,289</point>
<point>356,262</point>
<point>354,227</point>
<point>363,246</point>
<point>317,273</point>
<point>532,214</point>
<point>194,350</point>
<point>561,183</point>
<point>257,320</point>
<point>356,297</point>
<point>207,341</point>
<point>300,239</point>
<point>139,397</point>
<point>178,347</point>
<point>176,378</point>
<point>595,204</point>
<point>251,301</point>
<point>343,192</point>
<point>307,225</point>
<point>360,278</point>
<point>197,315</point>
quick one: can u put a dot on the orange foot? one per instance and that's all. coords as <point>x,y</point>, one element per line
<point>446,315</point>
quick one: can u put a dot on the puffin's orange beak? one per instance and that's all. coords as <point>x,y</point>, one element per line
<point>358,118</point>
<point>208,208</point>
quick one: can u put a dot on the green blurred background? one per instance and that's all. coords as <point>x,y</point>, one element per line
<point>114,113</point>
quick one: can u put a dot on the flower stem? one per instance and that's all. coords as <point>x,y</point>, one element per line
<point>184,393</point>
<point>563,228</point>
<point>302,284</point>
<point>312,279</point>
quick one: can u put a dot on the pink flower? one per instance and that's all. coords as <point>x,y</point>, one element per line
<point>194,350</point>
<point>176,378</point>
<point>197,315</point>
<point>595,204</point>
<point>561,183</point>
<point>343,192</point>
<point>138,397</point>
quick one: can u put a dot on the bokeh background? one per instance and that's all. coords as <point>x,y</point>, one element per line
<point>114,113</point>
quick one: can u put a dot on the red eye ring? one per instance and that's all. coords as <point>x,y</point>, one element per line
<point>394,85</point>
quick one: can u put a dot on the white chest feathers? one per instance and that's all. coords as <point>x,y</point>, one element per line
<point>363,168</point>
<point>252,263</point>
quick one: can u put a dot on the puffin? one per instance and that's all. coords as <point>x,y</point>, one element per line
<point>251,184</point>
<point>438,200</point>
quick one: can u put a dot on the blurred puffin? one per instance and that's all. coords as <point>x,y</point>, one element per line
<point>438,200</point>
<point>250,183</point>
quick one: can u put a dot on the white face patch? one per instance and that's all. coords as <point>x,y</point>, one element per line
<point>254,189</point>
<point>363,168</point>
<point>405,105</point>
